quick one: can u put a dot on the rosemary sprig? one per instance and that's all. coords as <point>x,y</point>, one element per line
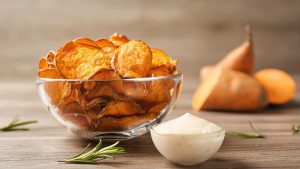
<point>96,154</point>
<point>15,123</point>
<point>256,134</point>
<point>296,129</point>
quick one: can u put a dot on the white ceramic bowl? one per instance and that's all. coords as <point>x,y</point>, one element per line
<point>187,149</point>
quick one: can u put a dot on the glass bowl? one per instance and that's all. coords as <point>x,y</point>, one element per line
<point>110,109</point>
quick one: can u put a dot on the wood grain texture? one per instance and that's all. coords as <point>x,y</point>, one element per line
<point>48,142</point>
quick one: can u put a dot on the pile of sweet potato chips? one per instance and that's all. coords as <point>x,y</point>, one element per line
<point>98,98</point>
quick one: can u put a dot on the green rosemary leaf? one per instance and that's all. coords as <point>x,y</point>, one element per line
<point>96,154</point>
<point>296,129</point>
<point>14,124</point>
<point>256,133</point>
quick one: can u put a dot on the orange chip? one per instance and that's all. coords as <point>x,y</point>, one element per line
<point>104,42</point>
<point>106,75</point>
<point>89,85</point>
<point>106,45</point>
<point>118,39</point>
<point>57,91</point>
<point>72,107</point>
<point>160,58</point>
<point>51,57</point>
<point>98,102</point>
<point>43,64</point>
<point>159,71</point>
<point>80,61</point>
<point>115,124</point>
<point>157,108</point>
<point>100,91</point>
<point>80,120</point>
<point>76,96</point>
<point>133,59</point>
<point>49,73</point>
<point>86,41</point>
<point>154,91</point>
<point>120,109</point>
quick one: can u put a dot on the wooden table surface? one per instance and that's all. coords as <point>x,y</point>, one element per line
<point>47,142</point>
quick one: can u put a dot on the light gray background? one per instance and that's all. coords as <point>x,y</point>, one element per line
<point>196,32</point>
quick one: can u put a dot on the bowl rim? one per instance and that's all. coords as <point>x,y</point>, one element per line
<point>177,75</point>
<point>152,129</point>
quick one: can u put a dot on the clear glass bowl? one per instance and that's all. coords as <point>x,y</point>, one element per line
<point>110,109</point>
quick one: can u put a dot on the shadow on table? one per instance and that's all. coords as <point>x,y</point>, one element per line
<point>216,163</point>
<point>270,109</point>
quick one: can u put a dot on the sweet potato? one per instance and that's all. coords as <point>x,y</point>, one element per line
<point>280,86</point>
<point>239,59</point>
<point>229,90</point>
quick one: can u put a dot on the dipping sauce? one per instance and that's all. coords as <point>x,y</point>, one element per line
<point>188,139</point>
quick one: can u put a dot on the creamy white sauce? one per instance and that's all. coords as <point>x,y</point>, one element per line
<point>188,139</point>
<point>187,124</point>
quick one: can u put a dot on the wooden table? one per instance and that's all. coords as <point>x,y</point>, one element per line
<point>47,142</point>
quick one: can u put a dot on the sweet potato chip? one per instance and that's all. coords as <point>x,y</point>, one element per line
<point>106,75</point>
<point>80,61</point>
<point>106,45</point>
<point>154,91</point>
<point>120,109</point>
<point>160,58</point>
<point>159,71</point>
<point>51,57</point>
<point>89,85</point>
<point>104,42</point>
<point>98,102</point>
<point>49,73</point>
<point>87,42</point>
<point>157,108</point>
<point>100,91</point>
<point>76,96</point>
<point>118,39</point>
<point>72,107</point>
<point>83,121</point>
<point>43,64</point>
<point>133,60</point>
<point>124,123</point>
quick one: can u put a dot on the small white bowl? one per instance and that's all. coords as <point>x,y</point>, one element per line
<point>187,149</point>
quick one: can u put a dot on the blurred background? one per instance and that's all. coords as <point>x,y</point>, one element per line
<point>197,32</point>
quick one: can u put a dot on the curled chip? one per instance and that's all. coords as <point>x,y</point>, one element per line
<point>104,42</point>
<point>49,73</point>
<point>106,75</point>
<point>118,39</point>
<point>76,96</point>
<point>82,121</point>
<point>160,58</point>
<point>86,41</point>
<point>133,59</point>
<point>120,109</point>
<point>98,102</point>
<point>157,108</point>
<point>80,61</point>
<point>107,123</point>
<point>51,57</point>
<point>55,90</point>
<point>153,91</point>
<point>43,64</point>
<point>160,71</point>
